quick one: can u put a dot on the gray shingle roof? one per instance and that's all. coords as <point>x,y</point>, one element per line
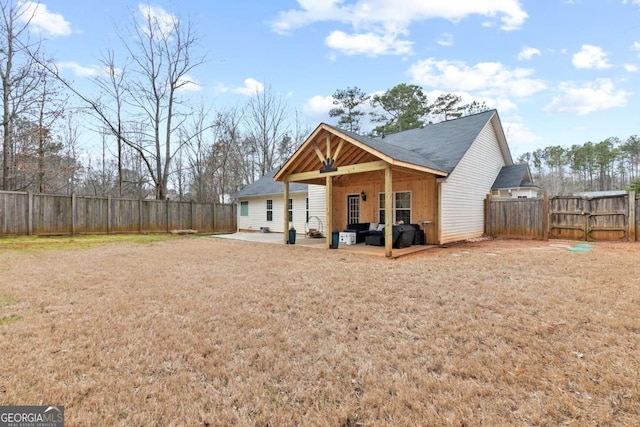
<point>393,150</point>
<point>437,146</point>
<point>513,176</point>
<point>266,185</point>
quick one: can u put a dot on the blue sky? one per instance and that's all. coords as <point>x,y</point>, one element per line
<point>560,72</point>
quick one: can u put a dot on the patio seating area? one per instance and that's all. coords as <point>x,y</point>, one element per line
<point>302,241</point>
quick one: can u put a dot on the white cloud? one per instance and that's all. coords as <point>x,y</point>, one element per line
<point>160,20</point>
<point>318,107</point>
<point>397,12</point>
<point>591,57</point>
<point>445,39</point>
<point>527,53</point>
<point>630,68</point>
<point>251,87</point>
<point>501,104</point>
<point>636,46</point>
<point>79,70</point>
<point>593,96</point>
<point>386,19</point>
<point>41,20</point>
<point>368,44</point>
<point>489,79</point>
<point>188,83</point>
<point>518,133</point>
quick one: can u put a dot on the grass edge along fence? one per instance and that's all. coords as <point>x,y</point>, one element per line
<point>27,213</point>
<point>599,218</point>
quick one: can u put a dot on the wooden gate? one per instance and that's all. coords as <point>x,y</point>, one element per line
<point>591,219</point>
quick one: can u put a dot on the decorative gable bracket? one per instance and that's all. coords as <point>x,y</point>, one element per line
<point>327,166</point>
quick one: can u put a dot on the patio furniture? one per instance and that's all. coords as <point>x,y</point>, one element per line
<point>402,236</point>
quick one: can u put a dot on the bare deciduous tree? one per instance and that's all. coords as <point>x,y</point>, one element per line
<point>113,86</point>
<point>266,122</point>
<point>18,75</point>
<point>162,54</point>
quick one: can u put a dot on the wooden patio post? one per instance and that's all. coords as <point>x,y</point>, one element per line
<point>388,211</point>
<point>329,211</point>
<point>285,213</point>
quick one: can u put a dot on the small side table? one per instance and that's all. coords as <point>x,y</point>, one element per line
<point>347,238</point>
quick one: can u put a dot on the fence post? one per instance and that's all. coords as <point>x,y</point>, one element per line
<point>140,214</point>
<point>73,214</point>
<point>168,229</point>
<point>487,215</point>
<point>213,217</point>
<point>631,219</point>
<point>192,217</point>
<point>108,214</point>
<point>545,216</point>
<point>30,213</point>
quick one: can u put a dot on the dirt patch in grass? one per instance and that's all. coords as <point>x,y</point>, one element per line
<point>206,331</point>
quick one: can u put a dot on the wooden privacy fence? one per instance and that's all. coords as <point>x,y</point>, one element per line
<point>564,217</point>
<point>41,214</point>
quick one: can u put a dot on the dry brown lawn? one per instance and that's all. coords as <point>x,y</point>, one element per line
<point>204,331</point>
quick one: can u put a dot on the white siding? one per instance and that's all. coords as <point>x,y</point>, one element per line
<point>465,189</point>
<point>258,213</point>
<point>318,205</point>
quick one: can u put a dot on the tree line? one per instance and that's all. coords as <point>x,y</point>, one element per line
<point>154,138</point>
<point>611,164</point>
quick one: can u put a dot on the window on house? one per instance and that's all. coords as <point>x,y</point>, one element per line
<point>401,207</point>
<point>290,210</point>
<point>307,209</point>
<point>269,210</point>
<point>244,208</point>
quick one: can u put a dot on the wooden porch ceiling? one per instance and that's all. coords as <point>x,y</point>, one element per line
<point>309,160</point>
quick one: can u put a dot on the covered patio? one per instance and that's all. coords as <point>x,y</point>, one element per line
<point>301,241</point>
<point>362,176</point>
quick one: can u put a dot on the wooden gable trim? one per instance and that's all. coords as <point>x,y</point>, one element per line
<point>299,152</point>
<point>329,159</point>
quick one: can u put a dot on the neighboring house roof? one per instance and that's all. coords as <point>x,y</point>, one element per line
<point>438,146</point>
<point>513,176</point>
<point>266,185</point>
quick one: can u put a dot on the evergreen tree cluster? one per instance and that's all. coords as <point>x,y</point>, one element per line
<point>402,107</point>
<point>611,164</point>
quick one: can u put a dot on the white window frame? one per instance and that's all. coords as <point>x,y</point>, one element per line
<point>395,208</point>
<point>269,210</point>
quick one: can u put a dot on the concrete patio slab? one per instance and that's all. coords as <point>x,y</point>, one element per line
<point>320,243</point>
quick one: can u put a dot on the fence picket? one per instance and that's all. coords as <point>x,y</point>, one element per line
<point>565,217</point>
<point>41,214</point>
